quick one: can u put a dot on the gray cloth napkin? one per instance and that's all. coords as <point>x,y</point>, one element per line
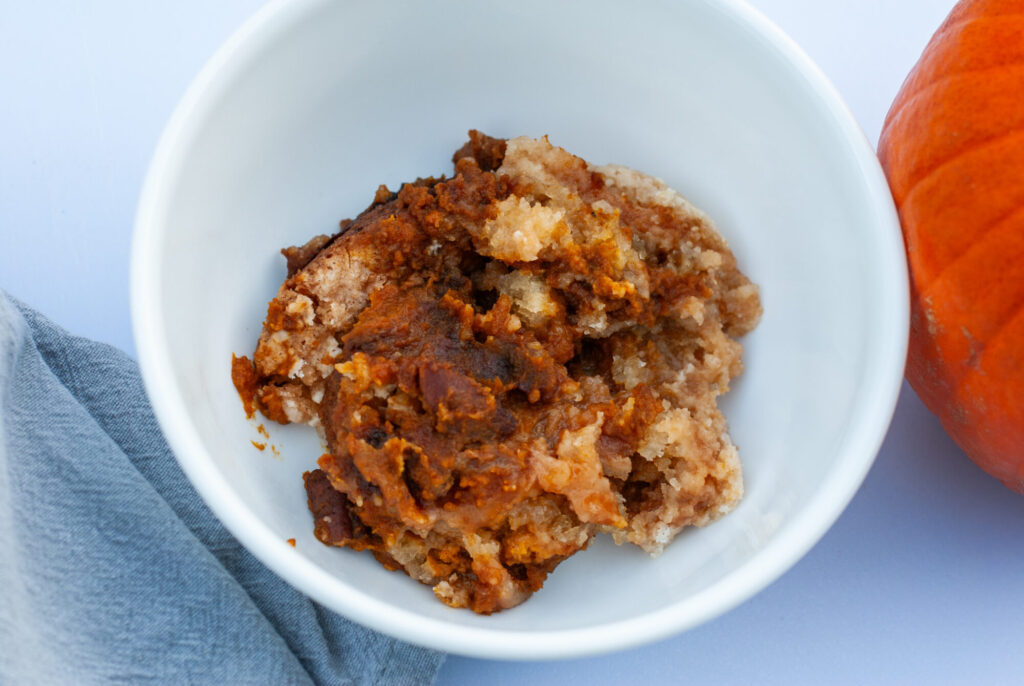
<point>112,570</point>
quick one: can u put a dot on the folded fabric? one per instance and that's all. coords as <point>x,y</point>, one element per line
<point>113,570</point>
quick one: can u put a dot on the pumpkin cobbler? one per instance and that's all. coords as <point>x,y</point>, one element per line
<point>504,364</point>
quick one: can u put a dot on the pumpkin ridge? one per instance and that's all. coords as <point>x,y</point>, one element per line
<point>944,32</point>
<point>1011,318</point>
<point>994,225</point>
<point>903,99</point>
<point>979,145</point>
<point>912,87</point>
<point>920,91</point>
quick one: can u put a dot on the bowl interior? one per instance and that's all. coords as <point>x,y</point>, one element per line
<point>318,102</point>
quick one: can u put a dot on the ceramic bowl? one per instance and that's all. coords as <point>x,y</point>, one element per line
<point>313,103</point>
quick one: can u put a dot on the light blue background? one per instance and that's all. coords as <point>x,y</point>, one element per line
<point>920,581</point>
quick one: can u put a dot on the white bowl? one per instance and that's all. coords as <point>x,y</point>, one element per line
<point>295,121</point>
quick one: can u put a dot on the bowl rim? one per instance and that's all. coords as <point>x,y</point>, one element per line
<point>866,428</point>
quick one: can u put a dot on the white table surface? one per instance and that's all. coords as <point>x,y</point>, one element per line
<point>920,581</point>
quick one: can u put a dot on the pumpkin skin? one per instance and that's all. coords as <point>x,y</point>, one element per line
<point>953,149</point>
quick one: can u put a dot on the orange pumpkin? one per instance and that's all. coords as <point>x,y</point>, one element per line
<point>953,149</point>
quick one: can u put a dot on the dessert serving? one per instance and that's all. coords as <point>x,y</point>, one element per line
<point>504,364</point>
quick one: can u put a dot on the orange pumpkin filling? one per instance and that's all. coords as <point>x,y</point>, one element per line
<point>504,364</point>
